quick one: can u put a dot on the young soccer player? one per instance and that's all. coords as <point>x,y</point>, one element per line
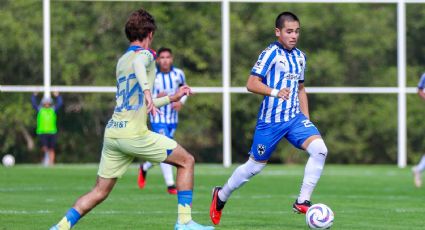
<point>278,74</point>
<point>418,169</point>
<point>46,125</point>
<point>167,82</point>
<point>127,135</point>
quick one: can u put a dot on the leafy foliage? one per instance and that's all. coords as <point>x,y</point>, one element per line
<point>346,45</point>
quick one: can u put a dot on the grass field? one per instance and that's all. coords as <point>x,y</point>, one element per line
<point>362,197</point>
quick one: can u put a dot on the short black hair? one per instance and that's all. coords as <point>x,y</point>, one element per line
<point>283,17</point>
<point>164,49</point>
<point>139,25</point>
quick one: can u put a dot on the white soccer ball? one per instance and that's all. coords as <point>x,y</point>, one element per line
<point>8,160</point>
<point>319,216</point>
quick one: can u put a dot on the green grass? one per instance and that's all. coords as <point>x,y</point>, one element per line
<point>362,197</point>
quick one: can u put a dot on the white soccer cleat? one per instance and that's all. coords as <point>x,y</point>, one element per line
<point>192,225</point>
<point>417,177</point>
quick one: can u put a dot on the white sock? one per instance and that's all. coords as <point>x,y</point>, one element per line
<point>313,169</point>
<point>147,165</point>
<point>240,176</point>
<point>421,166</point>
<point>167,172</point>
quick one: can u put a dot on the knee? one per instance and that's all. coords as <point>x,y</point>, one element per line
<point>189,161</point>
<point>318,149</point>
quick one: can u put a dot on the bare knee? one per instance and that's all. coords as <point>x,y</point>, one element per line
<point>188,161</point>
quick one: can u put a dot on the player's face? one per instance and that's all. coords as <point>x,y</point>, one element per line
<point>165,61</point>
<point>288,35</point>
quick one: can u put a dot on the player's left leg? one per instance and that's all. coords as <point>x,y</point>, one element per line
<point>51,147</point>
<point>417,170</point>
<point>184,162</point>
<point>304,135</point>
<point>167,170</point>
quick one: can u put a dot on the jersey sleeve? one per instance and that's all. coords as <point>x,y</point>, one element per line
<point>182,78</point>
<point>142,60</point>
<point>421,84</point>
<point>264,63</point>
<point>304,68</point>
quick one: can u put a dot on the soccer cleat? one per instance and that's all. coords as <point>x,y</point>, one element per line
<point>417,177</point>
<point>301,207</point>
<point>172,190</point>
<point>141,179</point>
<point>216,207</point>
<point>192,225</point>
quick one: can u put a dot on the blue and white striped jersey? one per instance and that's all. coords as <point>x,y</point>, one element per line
<point>421,84</point>
<point>168,83</point>
<point>280,68</point>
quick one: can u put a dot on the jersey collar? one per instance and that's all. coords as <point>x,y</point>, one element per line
<point>138,48</point>
<point>281,46</point>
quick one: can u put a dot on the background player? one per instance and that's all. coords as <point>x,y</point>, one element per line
<point>127,135</point>
<point>418,169</point>
<point>279,75</point>
<point>46,125</point>
<point>167,82</point>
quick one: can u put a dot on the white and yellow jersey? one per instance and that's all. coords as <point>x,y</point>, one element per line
<point>135,73</point>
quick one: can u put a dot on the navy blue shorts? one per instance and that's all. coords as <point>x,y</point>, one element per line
<point>268,135</point>
<point>48,140</point>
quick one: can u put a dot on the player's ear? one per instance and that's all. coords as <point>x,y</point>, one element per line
<point>277,32</point>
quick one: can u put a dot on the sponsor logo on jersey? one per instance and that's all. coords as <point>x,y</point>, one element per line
<point>261,149</point>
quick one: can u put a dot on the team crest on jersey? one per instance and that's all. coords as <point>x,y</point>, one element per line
<point>261,149</point>
<point>301,63</point>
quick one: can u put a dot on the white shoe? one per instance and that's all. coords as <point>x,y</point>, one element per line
<point>192,225</point>
<point>417,177</point>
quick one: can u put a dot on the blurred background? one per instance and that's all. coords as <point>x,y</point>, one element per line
<point>347,44</point>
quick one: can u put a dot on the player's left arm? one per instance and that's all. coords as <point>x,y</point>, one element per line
<point>139,65</point>
<point>302,96</point>
<point>421,93</point>
<point>59,101</point>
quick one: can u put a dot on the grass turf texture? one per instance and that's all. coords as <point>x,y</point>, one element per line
<point>362,197</point>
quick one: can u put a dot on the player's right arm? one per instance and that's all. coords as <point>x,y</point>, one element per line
<point>139,65</point>
<point>256,85</point>
<point>421,87</point>
<point>34,101</point>
<point>259,72</point>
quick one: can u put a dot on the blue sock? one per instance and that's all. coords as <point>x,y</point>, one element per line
<point>184,197</point>
<point>72,216</point>
<point>184,207</point>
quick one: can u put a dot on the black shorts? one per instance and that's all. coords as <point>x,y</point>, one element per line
<point>48,140</point>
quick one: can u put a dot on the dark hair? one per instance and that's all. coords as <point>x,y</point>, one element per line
<point>283,17</point>
<point>163,49</point>
<point>139,25</point>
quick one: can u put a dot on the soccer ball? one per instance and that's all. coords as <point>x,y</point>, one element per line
<point>8,160</point>
<point>319,216</point>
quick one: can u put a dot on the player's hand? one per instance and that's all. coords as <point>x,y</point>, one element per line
<point>183,91</point>
<point>161,94</point>
<point>35,93</point>
<point>150,107</point>
<point>56,93</point>
<point>177,105</point>
<point>284,93</point>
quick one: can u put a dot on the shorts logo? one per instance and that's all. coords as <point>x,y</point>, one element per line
<point>307,123</point>
<point>261,149</point>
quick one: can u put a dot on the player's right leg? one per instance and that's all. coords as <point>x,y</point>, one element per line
<point>184,162</point>
<point>417,170</point>
<point>113,164</point>
<point>266,137</point>
<point>86,203</point>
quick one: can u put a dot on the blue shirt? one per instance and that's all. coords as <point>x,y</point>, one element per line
<point>421,84</point>
<point>280,68</point>
<point>168,82</point>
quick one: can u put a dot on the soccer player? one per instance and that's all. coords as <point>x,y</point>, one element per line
<point>46,125</point>
<point>167,82</point>
<point>418,169</point>
<point>278,74</point>
<point>127,135</point>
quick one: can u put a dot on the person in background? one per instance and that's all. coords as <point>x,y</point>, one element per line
<point>46,125</point>
<point>418,169</point>
<point>168,80</point>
